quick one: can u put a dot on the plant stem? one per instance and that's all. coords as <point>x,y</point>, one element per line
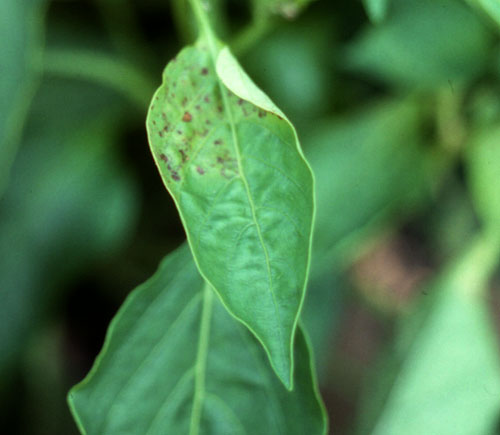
<point>121,76</point>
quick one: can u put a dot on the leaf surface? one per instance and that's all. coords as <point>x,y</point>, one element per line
<point>174,361</point>
<point>20,63</point>
<point>233,164</point>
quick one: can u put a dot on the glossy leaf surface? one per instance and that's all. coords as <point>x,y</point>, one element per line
<point>175,362</point>
<point>443,373</point>
<point>232,162</point>
<point>20,63</point>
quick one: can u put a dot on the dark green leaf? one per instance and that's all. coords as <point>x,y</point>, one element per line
<point>174,361</point>
<point>423,44</point>
<point>70,201</point>
<point>233,164</point>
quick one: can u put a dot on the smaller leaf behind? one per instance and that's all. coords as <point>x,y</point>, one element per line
<point>233,164</point>
<point>175,362</point>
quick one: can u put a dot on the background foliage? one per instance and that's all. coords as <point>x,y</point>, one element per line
<point>398,110</point>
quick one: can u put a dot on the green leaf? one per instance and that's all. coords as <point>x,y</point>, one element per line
<point>376,9</point>
<point>70,202</point>
<point>422,44</point>
<point>490,7</point>
<point>174,361</point>
<point>483,164</point>
<point>443,373</point>
<point>287,8</point>
<point>370,165</point>
<point>21,25</point>
<point>233,164</point>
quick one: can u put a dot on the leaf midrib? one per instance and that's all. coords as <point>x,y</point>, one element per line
<point>205,28</point>
<point>201,361</point>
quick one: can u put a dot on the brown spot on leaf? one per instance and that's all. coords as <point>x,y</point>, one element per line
<point>187,117</point>
<point>163,158</point>
<point>200,170</point>
<point>197,107</point>
<point>217,142</point>
<point>219,109</point>
<point>175,176</point>
<point>184,101</point>
<point>208,122</point>
<point>262,113</point>
<point>184,156</point>
<point>204,71</point>
<point>240,101</point>
<point>206,99</point>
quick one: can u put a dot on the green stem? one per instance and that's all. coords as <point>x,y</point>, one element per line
<point>479,262</point>
<point>204,25</point>
<point>100,68</point>
<point>251,34</point>
<point>201,361</point>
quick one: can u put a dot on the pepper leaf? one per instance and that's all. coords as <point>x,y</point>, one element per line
<point>174,361</point>
<point>233,164</point>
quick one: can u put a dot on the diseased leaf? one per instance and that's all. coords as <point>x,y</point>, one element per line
<point>175,362</point>
<point>443,373</point>
<point>490,7</point>
<point>484,174</point>
<point>21,25</point>
<point>376,9</point>
<point>233,164</point>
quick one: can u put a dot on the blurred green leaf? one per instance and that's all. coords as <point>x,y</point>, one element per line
<point>175,361</point>
<point>295,53</point>
<point>70,201</point>
<point>21,25</point>
<point>483,164</point>
<point>490,7</point>
<point>422,44</point>
<point>368,166</point>
<point>442,375</point>
<point>376,9</point>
